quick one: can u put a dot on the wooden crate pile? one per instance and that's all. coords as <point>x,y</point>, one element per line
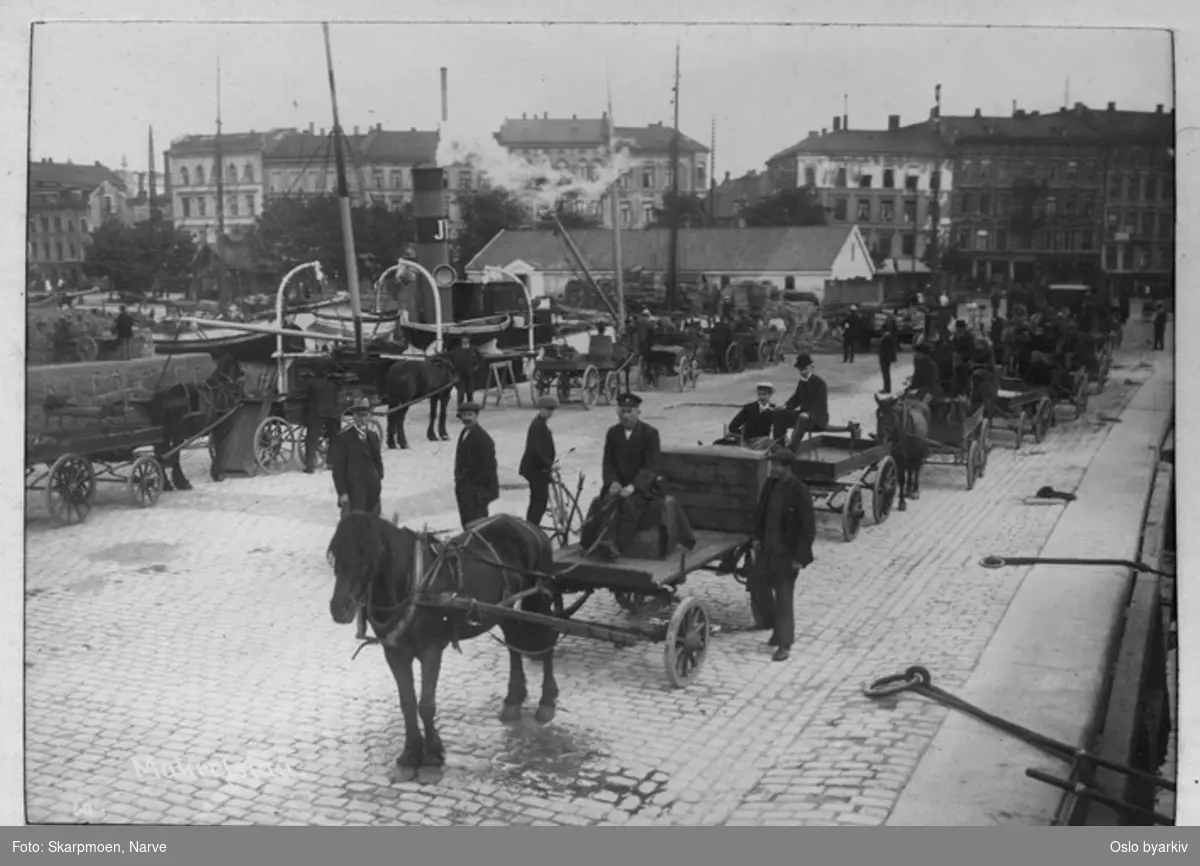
<point>718,487</point>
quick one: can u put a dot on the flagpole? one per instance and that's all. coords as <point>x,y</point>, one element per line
<point>615,209</point>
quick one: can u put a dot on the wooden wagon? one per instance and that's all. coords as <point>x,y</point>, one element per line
<point>594,375</point>
<point>1022,408</point>
<point>762,346</point>
<point>837,469</point>
<point>958,437</point>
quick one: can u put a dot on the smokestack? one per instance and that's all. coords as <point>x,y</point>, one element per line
<point>1158,108</point>
<point>978,112</point>
<point>1112,106</point>
<point>432,224</point>
<point>310,128</point>
<point>356,130</point>
<point>845,121</point>
<point>445,98</point>
<point>837,124</point>
<point>893,122</point>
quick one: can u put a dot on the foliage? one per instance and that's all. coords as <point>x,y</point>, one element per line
<point>484,213</point>
<point>693,211</point>
<point>788,207</point>
<point>291,231</point>
<point>135,257</point>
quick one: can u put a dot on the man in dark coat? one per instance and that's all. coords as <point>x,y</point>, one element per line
<point>784,528</point>
<point>124,330</point>
<point>632,455</point>
<point>466,361</point>
<point>357,463</point>
<point>850,335</point>
<point>888,346</point>
<point>754,420</point>
<point>925,381</point>
<point>321,416</point>
<point>808,407</point>
<point>476,482</point>
<point>538,459</point>
<point>1160,327</point>
<point>963,340</point>
<point>720,338</point>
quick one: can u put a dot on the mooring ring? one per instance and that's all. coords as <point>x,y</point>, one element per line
<point>993,562</point>
<point>914,677</point>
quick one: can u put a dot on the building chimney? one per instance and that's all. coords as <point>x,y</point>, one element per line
<point>429,213</point>
<point>322,132</point>
<point>573,117</point>
<point>845,121</point>
<point>1158,109</point>
<point>310,128</point>
<point>1112,106</point>
<point>978,113</point>
<point>1035,114</point>
<point>445,97</point>
<point>812,133</point>
<point>545,115</point>
<point>604,115</point>
<point>893,122</point>
<point>356,130</point>
<point>726,177</point>
<point>523,117</point>
<point>837,123</point>
<point>824,131</point>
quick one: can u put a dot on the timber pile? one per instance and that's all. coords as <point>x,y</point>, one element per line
<point>717,486</point>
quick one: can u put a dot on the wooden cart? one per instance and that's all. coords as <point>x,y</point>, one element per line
<point>1022,408</point>
<point>958,438</point>
<point>763,346</point>
<point>597,374</point>
<point>837,469</point>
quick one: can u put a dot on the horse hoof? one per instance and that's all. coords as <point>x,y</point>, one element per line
<point>399,773</point>
<point>445,437</point>
<point>429,775</point>
<point>902,507</point>
<point>391,446</point>
<point>915,495</point>
<point>545,713</point>
<point>510,713</point>
<point>183,486</point>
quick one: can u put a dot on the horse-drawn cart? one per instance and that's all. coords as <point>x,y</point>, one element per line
<point>596,374</point>
<point>1022,408</point>
<point>958,437</point>
<point>671,356</point>
<point>110,443</point>
<point>837,469</point>
<point>762,346</point>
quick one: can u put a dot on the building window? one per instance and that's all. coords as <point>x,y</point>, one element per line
<point>46,251</point>
<point>1051,206</point>
<point>964,238</point>
<point>1087,206</point>
<point>864,181</point>
<point>71,226</point>
<point>1115,185</point>
<point>1110,257</point>
<point>810,176</point>
<point>377,178</point>
<point>199,175</point>
<point>233,205</point>
<point>58,250</point>
<point>985,205</point>
<point>789,284</point>
<point>45,224</point>
<point>33,226</point>
<point>908,244</point>
<point>647,214</point>
<point>626,213</point>
<point>910,211</point>
<point>883,244</point>
<point>839,209</point>
<point>58,224</point>
<point>70,251</point>
<point>968,169</point>
<point>464,180</point>
<point>108,205</point>
<point>83,225</point>
<point>1069,206</point>
<point>889,178</point>
<point>935,180</point>
<point>1053,170</point>
<point>985,169</point>
<point>701,177</point>
<point>201,206</point>
<point>187,205</point>
<point>247,173</point>
<point>887,211</point>
<point>231,173</point>
<point>1086,239</point>
<point>1001,239</point>
<point>1069,240</point>
<point>910,183</point>
<point>840,180</point>
<point>1146,230</point>
<point>647,177</point>
<point>250,203</point>
<point>864,209</point>
<point>184,179</point>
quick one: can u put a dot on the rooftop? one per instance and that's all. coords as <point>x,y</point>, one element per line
<point>68,174</point>
<point>589,132</point>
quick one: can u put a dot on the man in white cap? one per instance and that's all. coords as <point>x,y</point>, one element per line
<point>753,423</point>
<point>538,460</point>
<point>476,480</point>
<point>356,461</point>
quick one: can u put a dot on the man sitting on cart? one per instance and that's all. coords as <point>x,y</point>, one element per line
<point>925,383</point>
<point>807,410</point>
<point>754,422</point>
<point>632,453</point>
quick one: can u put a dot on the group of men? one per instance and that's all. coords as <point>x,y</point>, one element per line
<point>806,411</point>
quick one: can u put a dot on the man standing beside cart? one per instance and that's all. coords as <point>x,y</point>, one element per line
<point>476,480</point>
<point>538,460</point>
<point>785,525</point>
<point>356,460</point>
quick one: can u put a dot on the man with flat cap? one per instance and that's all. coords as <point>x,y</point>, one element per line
<point>476,480</point>
<point>538,459</point>
<point>632,453</point>
<point>925,378</point>
<point>784,528</point>
<point>357,462</point>
<point>808,407</point>
<point>754,421</point>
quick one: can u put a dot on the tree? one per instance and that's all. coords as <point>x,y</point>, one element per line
<point>291,231</point>
<point>484,213</point>
<point>788,207</point>
<point>693,211</point>
<point>135,257</point>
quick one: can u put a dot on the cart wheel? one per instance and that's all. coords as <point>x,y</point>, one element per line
<point>764,353</point>
<point>1080,396</point>
<point>985,436</point>
<point>981,464</point>
<point>973,461</point>
<point>612,387</point>
<point>1019,431</point>
<point>590,387</point>
<point>883,494</point>
<point>852,514</point>
<point>686,642</point>
<point>562,387</point>
<point>146,481</point>
<point>86,348</point>
<point>70,488</point>
<point>274,446</point>
<point>735,359</point>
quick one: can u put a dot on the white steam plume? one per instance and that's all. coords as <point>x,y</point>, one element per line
<point>533,179</point>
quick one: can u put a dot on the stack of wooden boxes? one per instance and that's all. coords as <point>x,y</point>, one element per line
<point>718,487</point>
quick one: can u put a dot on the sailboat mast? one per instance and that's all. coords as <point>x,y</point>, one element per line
<point>344,201</point>
<point>673,276</point>
<point>614,196</point>
<point>222,294</point>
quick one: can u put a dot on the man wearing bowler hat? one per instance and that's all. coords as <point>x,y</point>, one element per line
<point>476,482</point>
<point>356,461</point>
<point>784,529</point>
<point>808,407</point>
<point>538,459</point>
<point>632,453</point>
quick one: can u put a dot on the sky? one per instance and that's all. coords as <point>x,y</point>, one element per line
<point>98,87</point>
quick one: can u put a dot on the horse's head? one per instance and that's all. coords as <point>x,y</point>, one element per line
<point>897,416</point>
<point>366,550</point>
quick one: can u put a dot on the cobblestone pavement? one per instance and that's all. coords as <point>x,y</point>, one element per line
<point>182,666</point>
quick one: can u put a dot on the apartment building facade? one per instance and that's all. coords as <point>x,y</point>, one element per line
<point>66,202</point>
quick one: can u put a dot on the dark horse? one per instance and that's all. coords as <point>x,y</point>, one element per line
<point>186,409</point>
<point>904,424</point>
<point>394,577</point>
<point>409,381</point>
